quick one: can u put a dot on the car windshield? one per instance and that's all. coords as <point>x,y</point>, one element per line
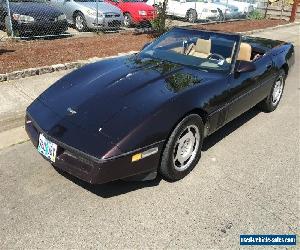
<point>202,49</point>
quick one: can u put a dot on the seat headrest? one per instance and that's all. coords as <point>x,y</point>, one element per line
<point>203,46</point>
<point>245,52</point>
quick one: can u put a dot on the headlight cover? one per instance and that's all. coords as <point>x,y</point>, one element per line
<point>22,18</point>
<point>142,13</point>
<point>61,17</point>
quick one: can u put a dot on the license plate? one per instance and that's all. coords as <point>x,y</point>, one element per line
<point>47,148</point>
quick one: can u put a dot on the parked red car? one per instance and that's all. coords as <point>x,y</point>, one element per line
<point>135,11</point>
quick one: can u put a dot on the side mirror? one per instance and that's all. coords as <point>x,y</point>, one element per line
<point>145,45</point>
<point>245,66</point>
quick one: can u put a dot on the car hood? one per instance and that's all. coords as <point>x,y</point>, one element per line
<point>94,94</point>
<point>102,6</point>
<point>35,10</point>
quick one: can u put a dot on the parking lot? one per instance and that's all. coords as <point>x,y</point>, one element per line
<point>247,182</point>
<point>72,32</point>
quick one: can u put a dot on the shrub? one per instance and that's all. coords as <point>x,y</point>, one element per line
<point>256,15</point>
<point>159,23</point>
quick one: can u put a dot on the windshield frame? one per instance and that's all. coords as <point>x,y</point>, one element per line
<point>234,36</point>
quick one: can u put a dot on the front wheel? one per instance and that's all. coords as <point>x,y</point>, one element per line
<point>183,149</point>
<point>127,20</point>
<point>273,99</point>
<point>192,16</point>
<point>80,22</point>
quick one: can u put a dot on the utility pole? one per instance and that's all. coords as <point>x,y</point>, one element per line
<point>294,11</point>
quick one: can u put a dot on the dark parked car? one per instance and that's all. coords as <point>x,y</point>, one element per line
<point>32,17</point>
<point>150,112</point>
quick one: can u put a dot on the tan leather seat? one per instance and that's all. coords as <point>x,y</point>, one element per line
<point>201,49</point>
<point>245,52</point>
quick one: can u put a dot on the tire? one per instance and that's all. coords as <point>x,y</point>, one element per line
<point>273,99</point>
<point>128,20</point>
<point>192,16</point>
<point>221,16</point>
<point>80,22</point>
<point>183,149</point>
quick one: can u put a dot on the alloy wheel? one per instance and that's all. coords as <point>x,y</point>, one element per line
<point>186,148</point>
<point>79,22</point>
<point>277,91</point>
<point>126,21</point>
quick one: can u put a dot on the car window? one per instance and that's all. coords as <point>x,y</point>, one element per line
<point>201,49</point>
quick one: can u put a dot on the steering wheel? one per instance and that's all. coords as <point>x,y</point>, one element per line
<point>219,57</point>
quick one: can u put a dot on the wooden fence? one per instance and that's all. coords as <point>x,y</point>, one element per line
<point>277,10</point>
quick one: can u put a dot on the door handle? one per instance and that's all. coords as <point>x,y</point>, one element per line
<point>269,66</point>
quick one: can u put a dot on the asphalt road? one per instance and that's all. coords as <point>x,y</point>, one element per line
<point>247,182</point>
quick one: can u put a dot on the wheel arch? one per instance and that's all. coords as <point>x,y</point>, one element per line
<point>76,12</point>
<point>190,9</point>
<point>197,111</point>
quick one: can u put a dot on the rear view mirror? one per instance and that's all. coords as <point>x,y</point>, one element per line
<point>182,1</point>
<point>245,66</point>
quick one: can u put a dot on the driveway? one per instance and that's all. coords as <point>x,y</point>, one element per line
<point>247,182</point>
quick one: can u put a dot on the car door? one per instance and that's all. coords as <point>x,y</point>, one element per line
<point>249,88</point>
<point>172,7</point>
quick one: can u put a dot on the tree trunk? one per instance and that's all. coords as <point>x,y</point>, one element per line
<point>294,11</point>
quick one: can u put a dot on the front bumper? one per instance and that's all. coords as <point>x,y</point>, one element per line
<point>41,27</point>
<point>142,19</point>
<point>104,22</point>
<point>91,169</point>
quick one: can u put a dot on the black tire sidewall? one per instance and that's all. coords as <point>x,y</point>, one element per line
<point>269,106</point>
<point>194,13</point>
<point>84,22</point>
<point>167,169</point>
<point>129,20</point>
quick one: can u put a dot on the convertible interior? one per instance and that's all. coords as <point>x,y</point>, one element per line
<point>203,48</point>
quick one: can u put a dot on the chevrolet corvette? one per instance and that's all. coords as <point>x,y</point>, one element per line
<point>145,114</point>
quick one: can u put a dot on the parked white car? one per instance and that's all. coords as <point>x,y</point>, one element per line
<point>193,10</point>
<point>229,11</point>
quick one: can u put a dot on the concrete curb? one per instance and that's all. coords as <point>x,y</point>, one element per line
<point>77,64</point>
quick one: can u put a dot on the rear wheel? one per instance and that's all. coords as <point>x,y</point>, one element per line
<point>192,16</point>
<point>221,16</point>
<point>80,22</point>
<point>273,99</point>
<point>183,149</point>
